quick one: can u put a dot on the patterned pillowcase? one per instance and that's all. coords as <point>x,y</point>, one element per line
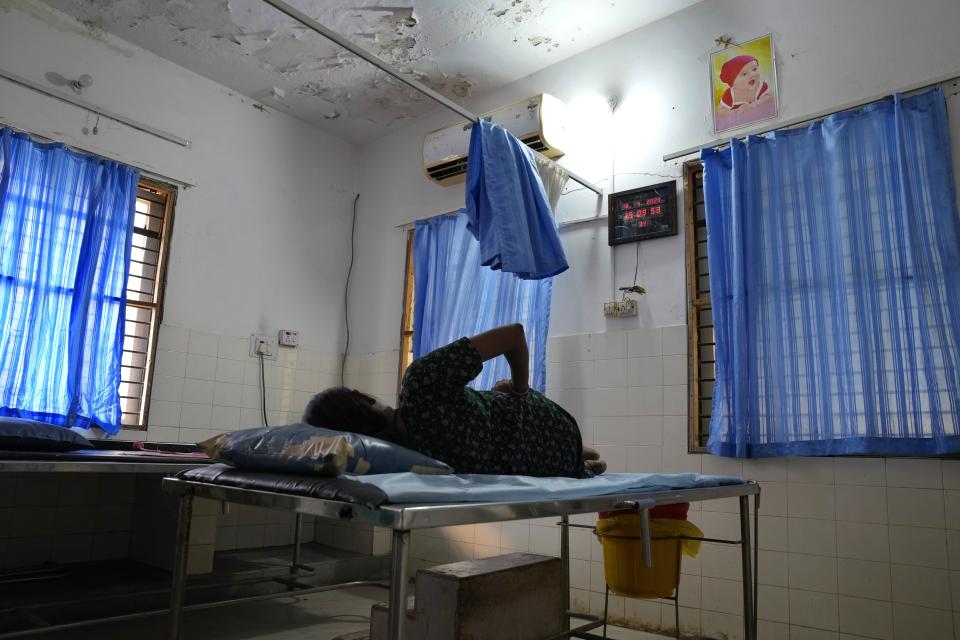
<point>303,448</point>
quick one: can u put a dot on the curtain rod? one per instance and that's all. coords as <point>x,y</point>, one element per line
<point>721,142</point>
<point>562,225</point>
<point>410,223</point>
<point>77,102</point>
<point>335,37</point>
<point>147,173</point>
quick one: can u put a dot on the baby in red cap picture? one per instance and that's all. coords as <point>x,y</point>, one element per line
<point>741,93</point>
<point>746,89</point>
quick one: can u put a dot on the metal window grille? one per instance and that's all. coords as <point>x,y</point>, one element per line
<point>145,281</point>
<point>406,327</point>
<point>702,365</point>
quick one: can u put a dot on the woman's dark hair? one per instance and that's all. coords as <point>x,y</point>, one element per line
<point>346,409</point>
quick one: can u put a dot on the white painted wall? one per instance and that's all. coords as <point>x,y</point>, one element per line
<point>261,241</point>
<point>829,54</point>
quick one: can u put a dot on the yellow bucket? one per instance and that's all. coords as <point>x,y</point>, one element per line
<point>623,554</point>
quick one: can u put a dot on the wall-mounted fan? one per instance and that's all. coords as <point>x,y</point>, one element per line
<point>77,84</point>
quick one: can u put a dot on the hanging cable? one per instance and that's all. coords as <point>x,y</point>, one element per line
<point>636,268</point>
<point>346,296</point>
<point>263,391</point>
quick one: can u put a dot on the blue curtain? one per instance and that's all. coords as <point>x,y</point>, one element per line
<point>834,255</point>
<point>66,221</point>
<point>454,296</point>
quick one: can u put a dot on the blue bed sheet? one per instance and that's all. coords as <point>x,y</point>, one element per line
<point>412,488</point>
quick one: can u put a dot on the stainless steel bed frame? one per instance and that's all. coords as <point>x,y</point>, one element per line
<point>130,466</point>
<point>402,519</point>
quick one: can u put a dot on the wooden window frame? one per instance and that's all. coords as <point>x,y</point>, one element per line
<point>169,193</point>
<point>406,322</point>
<point>695,305</point>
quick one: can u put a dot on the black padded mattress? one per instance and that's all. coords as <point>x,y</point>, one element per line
<point>335,488</point>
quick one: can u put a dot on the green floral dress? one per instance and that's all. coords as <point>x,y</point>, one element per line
<point>484,431</point>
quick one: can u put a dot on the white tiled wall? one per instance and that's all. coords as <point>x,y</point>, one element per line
<point>64,518</point>
<point>850,548</point>
<point>375,374</point>
<point>245,527</point>
<point>154,528</point>
<point>205,384</point>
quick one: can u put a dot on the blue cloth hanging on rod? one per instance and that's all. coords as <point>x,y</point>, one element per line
<point>507,208</point>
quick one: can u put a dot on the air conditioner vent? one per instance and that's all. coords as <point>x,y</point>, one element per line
<point>539,122</point>
<point>442,171</point>
<point>535,142</point>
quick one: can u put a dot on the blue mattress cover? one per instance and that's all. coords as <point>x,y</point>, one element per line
<point>413,488</point>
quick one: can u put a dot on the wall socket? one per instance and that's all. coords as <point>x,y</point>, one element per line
<point>623,308</point>
<point>288,337</point>
<point>263,345</point>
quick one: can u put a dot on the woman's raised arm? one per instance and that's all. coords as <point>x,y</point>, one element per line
<point>510,342</point>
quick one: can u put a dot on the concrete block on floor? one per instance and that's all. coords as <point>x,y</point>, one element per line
<point>519,593</point>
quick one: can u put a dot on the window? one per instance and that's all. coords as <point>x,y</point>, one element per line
<point>465,298</point>
<point>699,313</point>
<point>835,307</point>
<point>145,281</point>
<point>406,327</point>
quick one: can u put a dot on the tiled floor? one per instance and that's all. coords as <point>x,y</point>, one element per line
<point>318,617</point>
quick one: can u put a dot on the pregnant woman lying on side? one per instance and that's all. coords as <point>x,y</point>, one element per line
<point>510,429</point>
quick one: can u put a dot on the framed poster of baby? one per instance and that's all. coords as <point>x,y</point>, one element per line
<point>640,214</point>
<point>743,82</point>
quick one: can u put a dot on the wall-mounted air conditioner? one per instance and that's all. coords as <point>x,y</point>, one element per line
<point>539,121</point>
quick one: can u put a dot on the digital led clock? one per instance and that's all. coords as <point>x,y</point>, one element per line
<point>639,214</point>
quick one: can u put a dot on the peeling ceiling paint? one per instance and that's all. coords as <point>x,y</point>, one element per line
<point>457,47</point>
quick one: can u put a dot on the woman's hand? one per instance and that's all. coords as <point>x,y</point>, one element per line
<point>506,386</point>
<point>592,461</point>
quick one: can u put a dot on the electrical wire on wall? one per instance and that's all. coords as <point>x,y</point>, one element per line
<point>636,268</point>
<point>346,295</point>
<point>263,391</point>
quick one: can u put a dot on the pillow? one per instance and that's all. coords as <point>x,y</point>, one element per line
<point>21,434</point>
<point>303,448</point>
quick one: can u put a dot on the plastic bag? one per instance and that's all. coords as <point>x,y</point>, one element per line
<point>303,448</point>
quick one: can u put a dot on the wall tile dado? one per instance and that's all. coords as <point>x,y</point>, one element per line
<point>206,384</point>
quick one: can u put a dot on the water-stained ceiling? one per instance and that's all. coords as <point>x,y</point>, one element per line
<point>458,47</point>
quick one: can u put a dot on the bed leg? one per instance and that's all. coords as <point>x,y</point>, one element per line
<point>181,551</point>
<point>748,605</point>
<point>756,561</point>
<point>297,541</point>
<point>646,543</point>
<point>565,567</point>
<point>606,610</point>
<point>396,627</point>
